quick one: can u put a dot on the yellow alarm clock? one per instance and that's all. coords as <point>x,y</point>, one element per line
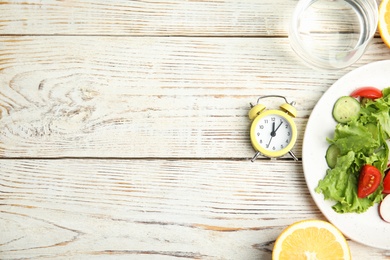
<point>273,132</point>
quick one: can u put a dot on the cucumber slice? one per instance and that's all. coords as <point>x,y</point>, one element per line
<point>345,109</point>
<point>332,154</point>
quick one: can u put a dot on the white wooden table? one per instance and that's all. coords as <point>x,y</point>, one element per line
<point>124,129</point>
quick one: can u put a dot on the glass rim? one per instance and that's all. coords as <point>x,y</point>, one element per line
<point>298,45</point>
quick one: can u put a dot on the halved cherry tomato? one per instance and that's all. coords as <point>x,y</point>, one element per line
<point>386,183</point>
<point>369,180</point>
<point>367,92</point>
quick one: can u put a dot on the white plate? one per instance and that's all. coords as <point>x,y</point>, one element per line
<point>366,228</point>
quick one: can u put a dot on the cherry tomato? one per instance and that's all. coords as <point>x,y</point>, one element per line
<point>369,180</point>
<point>367,92</point>
<point>386,183</point>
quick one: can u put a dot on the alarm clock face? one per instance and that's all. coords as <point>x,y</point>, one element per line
<point>274,134</point>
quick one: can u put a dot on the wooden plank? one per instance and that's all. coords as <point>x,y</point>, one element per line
<point>131,208</point>
<point>157,17</point>
<point>147,97</point>
<point>153,18</point>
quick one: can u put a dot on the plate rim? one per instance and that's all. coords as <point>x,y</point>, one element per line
<point>330,215</point>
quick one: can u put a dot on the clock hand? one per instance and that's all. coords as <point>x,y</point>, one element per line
<point>272,134</point>
<point>277,128</point>
<point>270,141</point>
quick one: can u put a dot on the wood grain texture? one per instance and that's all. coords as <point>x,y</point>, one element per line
<point>150,210</point>
<point>157,17</point>
<point>149,100</point>
<point>147,97</point>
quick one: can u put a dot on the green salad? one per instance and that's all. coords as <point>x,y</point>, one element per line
<point>359,139</point>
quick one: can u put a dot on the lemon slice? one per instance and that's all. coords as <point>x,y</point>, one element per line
<point>384,21</point>
<point>311,239</point>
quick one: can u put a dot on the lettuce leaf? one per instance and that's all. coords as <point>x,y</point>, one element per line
<point>361,141</point>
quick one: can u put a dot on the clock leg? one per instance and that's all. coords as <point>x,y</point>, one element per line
<point>255,157</point>
<point>293,156</point>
